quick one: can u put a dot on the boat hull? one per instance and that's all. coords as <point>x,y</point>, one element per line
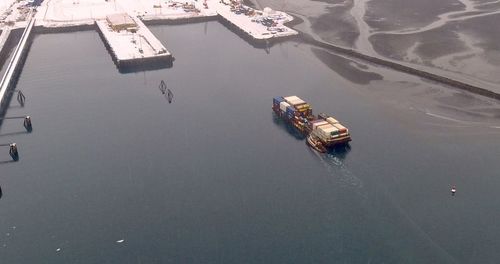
<point>315,144</point>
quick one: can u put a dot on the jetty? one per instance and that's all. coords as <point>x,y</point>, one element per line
<point>130,41</point>
<point>259,25</point>
<point>14,64</point>
<point>135,45</point>
<point>122,28</point>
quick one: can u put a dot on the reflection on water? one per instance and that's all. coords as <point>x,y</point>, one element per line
<point>287,127</point>
<point>334,163</point>
<point>146,66</point>
<point>211,178</point>
<point>266,45</point>
<point>340,151</point>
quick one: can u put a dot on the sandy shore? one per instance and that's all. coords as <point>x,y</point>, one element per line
<point>457,37</point>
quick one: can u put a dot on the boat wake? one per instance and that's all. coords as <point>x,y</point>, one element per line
<point>334,164</point>
<point>463,123</point>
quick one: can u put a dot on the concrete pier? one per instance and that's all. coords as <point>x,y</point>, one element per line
<point>4,36</point>
<point>131,42</point>
<point>253,24</point>
<point>14,65</point>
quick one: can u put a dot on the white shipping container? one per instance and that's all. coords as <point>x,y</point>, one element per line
<point>321,136</point>
<point>326,131</point>
<point>341,127</point>
<point>283,106</point>
<point>293,97</point>
<point>298,102</point>
<point>315,125</point>
<point>332,120</point>
<point>294,100</point>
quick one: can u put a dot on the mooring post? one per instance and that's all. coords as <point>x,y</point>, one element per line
<point>162,87</point>
<point>20,97</point>
<point>27,123</point>
<point>13,151</point>
<point>170,96</point>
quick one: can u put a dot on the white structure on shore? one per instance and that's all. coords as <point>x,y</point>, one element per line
<point>120,23</point>
<point>64,13</point>
<point>130,41</point>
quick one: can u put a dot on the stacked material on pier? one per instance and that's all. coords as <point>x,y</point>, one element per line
<point>254,23</point>
<point>121,21</point>
<point>133,46</point>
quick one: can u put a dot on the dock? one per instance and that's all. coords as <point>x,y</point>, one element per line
<point>4,36</point>
<point>259,25</point>
<point>122,25</point>
<point>14,65</point>
<point>130,42</point>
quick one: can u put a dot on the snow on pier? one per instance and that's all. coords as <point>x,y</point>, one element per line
<point>13,66</point>
<point>130,41</point>
<point>260,25</point>
<point>133,43</point>
<point>62,13</point>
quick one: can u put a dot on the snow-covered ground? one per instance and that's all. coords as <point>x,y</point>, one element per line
<point>64,12</point>
<point>154,9</point>
<point>257,30</point>
<point>61,13</point>
<point>128,46</point>
<point>14,13</point>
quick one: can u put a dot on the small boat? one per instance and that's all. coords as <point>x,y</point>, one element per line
<point>315,144</point>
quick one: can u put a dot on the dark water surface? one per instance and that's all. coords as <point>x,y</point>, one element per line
<point>214,178</point>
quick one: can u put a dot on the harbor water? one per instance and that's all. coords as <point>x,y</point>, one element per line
<point>114,173</point>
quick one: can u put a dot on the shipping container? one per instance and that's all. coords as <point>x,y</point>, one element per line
<point>278,100</point>
<point>341,128</point>
<point>284,106</point>
<point>290,111</point>
<point>290,98</point>
<point>318,123</point>
<point>321,136</point>
<point>332,131</point>
<point>302,107</point>
<point>332,120</point>
<point>326,131</point>
<point>294,100</point>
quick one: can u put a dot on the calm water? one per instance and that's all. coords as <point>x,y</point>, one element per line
<point>214,178</point>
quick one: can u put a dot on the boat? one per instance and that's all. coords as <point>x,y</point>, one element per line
<point>329,131</point>
<point>293,111</point>
<point>315,143</point>
<point>322,132</point>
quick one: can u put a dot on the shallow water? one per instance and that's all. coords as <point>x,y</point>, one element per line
<point>113,173</point>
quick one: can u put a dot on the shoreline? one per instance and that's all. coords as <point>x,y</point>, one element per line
<point>443,79</point>
<point>266,44</point>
